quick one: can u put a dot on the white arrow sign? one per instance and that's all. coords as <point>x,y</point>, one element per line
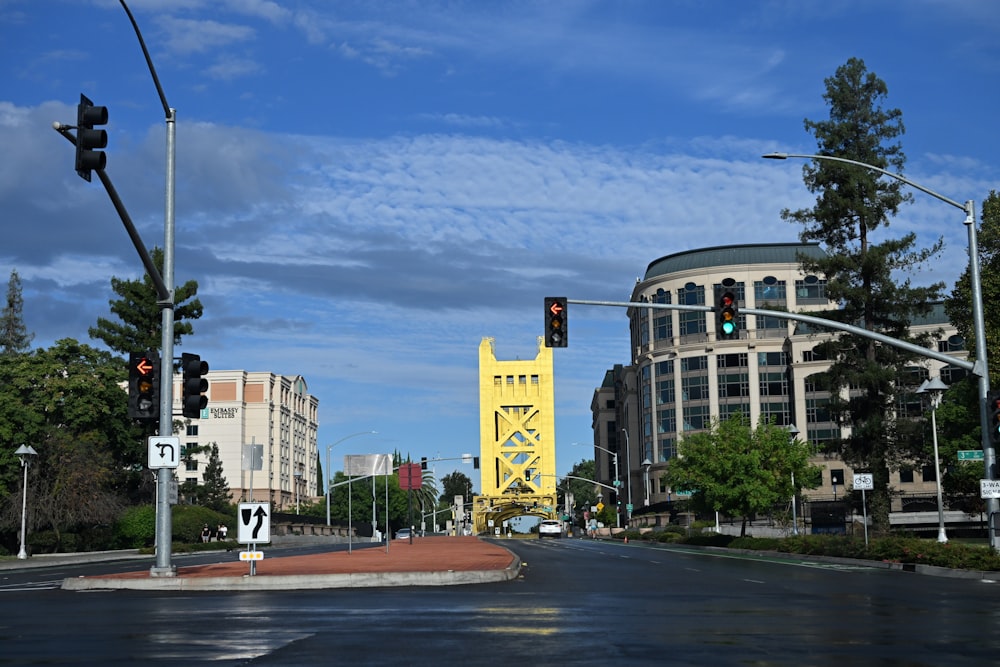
<point>254,522</point>
<point>164,452</point>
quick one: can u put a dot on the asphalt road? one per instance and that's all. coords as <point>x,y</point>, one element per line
<point>578,602</point>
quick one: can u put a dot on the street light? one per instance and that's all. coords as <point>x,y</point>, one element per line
<point>935,388</point>
<point>646,463</point>
<point>25,453</point>
<point>297,480</point>
<point>793,432</point>
<point>981,369</point>
<point>327,471</point>
<point>618,515</point>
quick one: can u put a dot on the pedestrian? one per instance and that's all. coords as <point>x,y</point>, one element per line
<point>206,534</point>
<point>221,533</point>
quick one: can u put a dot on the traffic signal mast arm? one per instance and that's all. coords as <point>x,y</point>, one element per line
<point>976,368</point>
<point>163,294</point>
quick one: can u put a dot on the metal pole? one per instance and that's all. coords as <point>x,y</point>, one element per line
<point>628,466</point>
<point>981,369</point>
<point>795,518</point>
<point>164,476</point>
<point>942,536</point>
<point>23,553</point>
<point>329,477</point>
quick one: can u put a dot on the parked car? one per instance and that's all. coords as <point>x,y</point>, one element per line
<point>403,534</point>
<point>549,528</point>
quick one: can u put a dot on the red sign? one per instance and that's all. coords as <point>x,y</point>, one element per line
<point>410,476</point>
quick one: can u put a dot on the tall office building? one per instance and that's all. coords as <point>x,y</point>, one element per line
<point>683,372</point>
<point>274,411</point>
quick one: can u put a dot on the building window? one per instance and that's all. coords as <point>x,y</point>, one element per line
<point>668,450</point>
<point>696,417</point>
<point>770,291</point>
<point>810,290</point>
<point>906,476</point>
<point>668,421</point>
<point>192,429</point>
<point>191,465</point>
<point>929,474</point>
<point>692,323</point>
<point>694,388</point>
<point>665,391</point>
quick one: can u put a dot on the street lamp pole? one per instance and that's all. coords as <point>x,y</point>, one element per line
<point>326,472</point>
<point>646,463</point>
<point>981,369</point>
<point>793,433</point>
<point>935,388</point>
<point>25,453</point>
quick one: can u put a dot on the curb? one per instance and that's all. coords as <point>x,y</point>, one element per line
<point>299,581</point>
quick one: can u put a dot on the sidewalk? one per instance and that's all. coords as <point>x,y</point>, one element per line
<point>429,561</point>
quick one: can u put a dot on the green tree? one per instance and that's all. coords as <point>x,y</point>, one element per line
<point>958,305</point>
<point>139,318</point>
<point>66,402</point>
<point>740,471</point>
<point>14,336</point>
<point>862,276</point>
<point>455,484</point>
<point>584,494</point>
<point>215,488</point>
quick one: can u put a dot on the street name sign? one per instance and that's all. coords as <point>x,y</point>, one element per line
<point>970,455</point>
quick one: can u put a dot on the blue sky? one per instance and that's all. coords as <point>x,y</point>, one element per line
<point>367,189</point>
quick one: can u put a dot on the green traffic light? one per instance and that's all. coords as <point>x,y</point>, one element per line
<point>728,328</point>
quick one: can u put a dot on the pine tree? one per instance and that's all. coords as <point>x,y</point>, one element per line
<point>14,336</point>
<point>861,275</point>
<point>215,491</point>
<point>140,319</point>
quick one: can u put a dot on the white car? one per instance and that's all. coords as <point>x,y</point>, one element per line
<point>549,528</point>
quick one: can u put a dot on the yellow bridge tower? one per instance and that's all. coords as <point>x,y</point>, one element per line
<point>517,439</point>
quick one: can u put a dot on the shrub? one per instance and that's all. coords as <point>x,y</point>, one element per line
<point>136,527</point>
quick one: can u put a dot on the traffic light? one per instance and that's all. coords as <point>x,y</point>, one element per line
<point>994,410</point>
<point>144,386</point>
<point>193,399</point>
<point>728,316</point>
<point>88,138</point>
<point>555,321</point>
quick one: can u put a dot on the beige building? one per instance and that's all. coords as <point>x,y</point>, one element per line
<point>683,374</point>
<point>275,411</point>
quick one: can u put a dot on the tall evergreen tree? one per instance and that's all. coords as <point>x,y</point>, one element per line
<point>216,489</point>
<point>864,277</point>
<point>14,336</point>
<point>140,320</point>
<point>958,305</point>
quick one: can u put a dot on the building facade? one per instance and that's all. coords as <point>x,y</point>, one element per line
<point>244,408</point>
<point>683,374</point>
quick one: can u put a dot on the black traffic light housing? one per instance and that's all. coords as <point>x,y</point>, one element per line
<point>993,409</point>
<point>88,138</point>
<point>193,399</point>
<point>729,316</point>
<point>555,321</point>
<point>144,386</point>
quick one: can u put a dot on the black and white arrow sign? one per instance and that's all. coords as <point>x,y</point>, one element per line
<point>254,523</point>
<point>164,452</point>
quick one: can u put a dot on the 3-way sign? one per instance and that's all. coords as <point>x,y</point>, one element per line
<point>254,523</point>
